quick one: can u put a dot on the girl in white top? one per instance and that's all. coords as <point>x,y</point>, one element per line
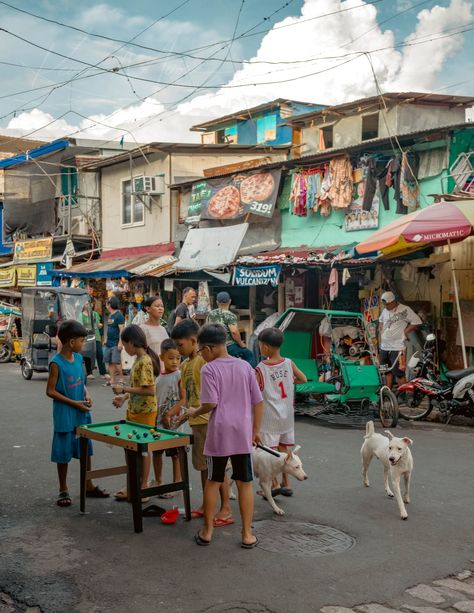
<point>276,376</point>
<point>155,333</point>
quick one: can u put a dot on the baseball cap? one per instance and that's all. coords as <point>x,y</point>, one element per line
<point>388,297</point>
<point>223,298</point>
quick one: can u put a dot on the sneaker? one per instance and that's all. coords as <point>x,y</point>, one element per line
<point>91,376</point>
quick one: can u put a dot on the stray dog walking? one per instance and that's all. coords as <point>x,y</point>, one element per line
<point>397,460</point>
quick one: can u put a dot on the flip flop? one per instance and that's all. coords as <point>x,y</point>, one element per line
<point>275,492</point>
<point>249,545</point>
<point>197,514</point>
<point>200,541</point>
<point>64,500</point>
<point>97,493</point>
<point>286,491</point>
<point>121,495</point>
<point>220,522</point>
<point>166,496</point>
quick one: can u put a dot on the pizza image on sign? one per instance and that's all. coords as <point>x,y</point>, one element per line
<point>225,203</point>
<point>257,188</point>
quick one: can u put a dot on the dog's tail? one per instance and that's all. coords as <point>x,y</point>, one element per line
<point>369,429</point>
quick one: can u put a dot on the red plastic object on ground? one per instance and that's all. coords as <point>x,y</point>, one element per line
<point>170,516</point>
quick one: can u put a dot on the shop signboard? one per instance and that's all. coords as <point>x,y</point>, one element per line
<point>33,251</point>
<point>44,273</point>
<point>235,196</point>
<point>262,275</point>
<point>26,276</point>
<point>8,276</point>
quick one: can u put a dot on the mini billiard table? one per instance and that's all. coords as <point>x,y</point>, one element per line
<point>136,439</point>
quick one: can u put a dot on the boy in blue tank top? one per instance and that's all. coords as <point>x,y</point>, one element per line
<point>71,405</point>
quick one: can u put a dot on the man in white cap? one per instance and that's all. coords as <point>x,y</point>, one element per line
<point>395,324</point>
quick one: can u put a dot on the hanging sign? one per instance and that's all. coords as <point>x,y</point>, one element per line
<point>33,251</point>
<point>8,277</point>
<point>235,196</point>
<point>263,275</point>
<point>44,273</point>
<point>26,276</point>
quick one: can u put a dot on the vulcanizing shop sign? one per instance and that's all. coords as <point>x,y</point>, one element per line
<point>262,275</point>
<point>33,250</point>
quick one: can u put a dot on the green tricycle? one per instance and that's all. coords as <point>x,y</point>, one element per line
<point>335,350</point>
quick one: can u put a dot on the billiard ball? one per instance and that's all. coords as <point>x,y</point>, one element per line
<point>117,433</point>
<point>116,427</point>
<point>152,431</point>
<point>137,435</point>
<point>123,421</point>
<point>130,435</point>
<point>145,434</point>
<point>85,427</point>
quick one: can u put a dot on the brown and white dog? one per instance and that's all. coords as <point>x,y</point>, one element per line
<point>395,455</point>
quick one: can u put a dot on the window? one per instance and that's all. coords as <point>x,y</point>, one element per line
<point>208,138</point>
<point>231,135</point>
<point>266,128</point>
<point>220,137</point>
<point>326,135</point>
<point>133,210</point>
<point>69,185</point>
<point>370,126</point>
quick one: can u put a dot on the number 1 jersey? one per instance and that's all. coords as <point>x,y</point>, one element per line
<point>277,384</point>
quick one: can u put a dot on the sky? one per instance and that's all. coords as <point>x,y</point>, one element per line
<point>176,63</point>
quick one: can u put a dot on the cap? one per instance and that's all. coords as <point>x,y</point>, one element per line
<point>223,298</point>
<point>388,297</point>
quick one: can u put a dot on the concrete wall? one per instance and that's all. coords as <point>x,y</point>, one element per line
<point>158,226</point>
<point>400,119</point>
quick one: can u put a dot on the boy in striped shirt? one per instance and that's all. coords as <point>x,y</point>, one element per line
<point>276,377</point>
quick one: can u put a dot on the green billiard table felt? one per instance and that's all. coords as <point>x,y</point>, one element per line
<point>107,428</point>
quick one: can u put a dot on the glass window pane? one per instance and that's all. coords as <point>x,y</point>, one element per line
<point>126,202</point>
<point>138,211</point>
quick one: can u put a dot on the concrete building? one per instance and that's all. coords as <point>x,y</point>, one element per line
<point>362,121</point>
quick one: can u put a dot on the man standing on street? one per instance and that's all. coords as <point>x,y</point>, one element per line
<point>395,324</point>
<point>183,310</point>
<point>113,344</point>
<point>224,316</point>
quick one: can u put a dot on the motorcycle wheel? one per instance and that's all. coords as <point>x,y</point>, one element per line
<point>6,351</point>
<point>26,370</point>
<point>388,408</point>
<point>413,406</point>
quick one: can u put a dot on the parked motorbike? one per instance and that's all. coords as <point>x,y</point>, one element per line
<point>426,391</point>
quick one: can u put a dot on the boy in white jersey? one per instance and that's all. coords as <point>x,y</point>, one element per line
<point>276,377</point>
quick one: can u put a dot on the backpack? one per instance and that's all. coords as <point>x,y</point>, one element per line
<point>170,322</point>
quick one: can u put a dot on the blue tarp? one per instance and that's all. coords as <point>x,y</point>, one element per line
<point>21,158</point>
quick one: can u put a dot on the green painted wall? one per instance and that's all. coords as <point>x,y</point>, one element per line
<point>316,231</point>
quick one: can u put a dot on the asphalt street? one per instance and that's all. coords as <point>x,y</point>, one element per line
<point>59,560</point>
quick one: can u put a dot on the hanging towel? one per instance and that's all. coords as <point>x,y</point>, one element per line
<point>333,285</point>
<point>346,275</point>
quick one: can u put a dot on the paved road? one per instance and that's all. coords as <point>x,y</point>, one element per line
<point>58,560</point>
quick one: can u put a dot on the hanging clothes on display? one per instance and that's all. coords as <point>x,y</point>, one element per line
<point>340,191</point>
<point>408,180</point>
<point>333,284</point>
<point>375,175</point>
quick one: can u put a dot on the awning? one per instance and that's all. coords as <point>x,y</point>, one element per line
<point>211,248</point>
<point>142,266</point>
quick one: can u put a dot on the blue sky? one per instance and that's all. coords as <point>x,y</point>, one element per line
<point>136,92</point>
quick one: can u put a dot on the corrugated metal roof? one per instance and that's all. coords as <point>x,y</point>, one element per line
<point>13,144</point>
<point>328,154</point>
<point>141,266</point>
<point>425,98</point>
<point>16,160</point>
<point>249,112</point>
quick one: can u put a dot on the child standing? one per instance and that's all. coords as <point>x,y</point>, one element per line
<point>71,406</point>
<point>230,394</point>
<point>276,377</point>
<point>142,406</point>
<point>185,336</point>
<point>170,397</point>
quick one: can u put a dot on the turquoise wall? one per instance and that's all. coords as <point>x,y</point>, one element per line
<point>316,231</point>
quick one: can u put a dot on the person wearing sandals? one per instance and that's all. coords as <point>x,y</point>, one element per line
<point>142,405</point>
<point>231,396</point>
<point>276,377</point>
<point>71,406</point>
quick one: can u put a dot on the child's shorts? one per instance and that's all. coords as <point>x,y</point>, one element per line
<point>199,438</point>
<point>145,419</point>
<point>66,446</point>
<point>275,440</point>
<point>242,468</point>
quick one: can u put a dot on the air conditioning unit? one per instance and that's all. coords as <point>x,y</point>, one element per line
<point>80,226</point>
<point>149,185</point>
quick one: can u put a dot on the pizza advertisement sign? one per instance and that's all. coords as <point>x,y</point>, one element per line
<point>236,196</point>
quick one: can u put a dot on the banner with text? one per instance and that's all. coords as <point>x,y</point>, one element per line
<point>235,196</point>
<point>263,275</point>
<point>33,250</point>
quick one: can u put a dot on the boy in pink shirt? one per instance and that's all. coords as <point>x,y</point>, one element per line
<point>230,394</point>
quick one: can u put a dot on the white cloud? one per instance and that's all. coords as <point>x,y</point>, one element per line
<point>323,80</point>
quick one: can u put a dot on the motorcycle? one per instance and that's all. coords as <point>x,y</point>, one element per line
<point>426,391</point>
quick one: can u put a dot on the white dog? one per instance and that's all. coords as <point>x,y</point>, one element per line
<point>395,455</point>
<point>267,467</point>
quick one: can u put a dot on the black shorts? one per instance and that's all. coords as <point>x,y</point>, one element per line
<point>242,468</point>
<point>388,358</point>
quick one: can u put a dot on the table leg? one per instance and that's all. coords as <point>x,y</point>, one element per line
<point>183,456</point>
<point>134,483</point>
<point>83,448</point>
